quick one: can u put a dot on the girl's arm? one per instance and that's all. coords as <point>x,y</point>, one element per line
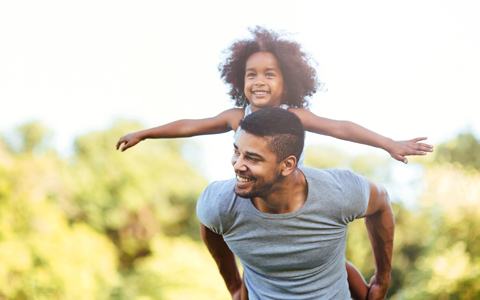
<point>223,122</point>
<point>349,131</point>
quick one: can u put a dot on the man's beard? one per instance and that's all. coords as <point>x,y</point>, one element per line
<point>258,191</point>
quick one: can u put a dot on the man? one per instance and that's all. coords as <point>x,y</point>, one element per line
<point>288,225</point>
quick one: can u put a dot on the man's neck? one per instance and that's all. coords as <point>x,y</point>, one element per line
<point>287,195</point>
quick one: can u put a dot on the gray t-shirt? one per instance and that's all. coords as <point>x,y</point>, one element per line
<point>297,255</point>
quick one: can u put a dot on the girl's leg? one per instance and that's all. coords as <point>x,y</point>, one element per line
<point>356,282</point>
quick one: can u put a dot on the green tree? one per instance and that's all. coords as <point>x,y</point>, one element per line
<point>42,255</point>
<point>448,266</point>
<point>464,149</point>
<point>33,135</point>
<point>101,224</point>
<point>134,195</point>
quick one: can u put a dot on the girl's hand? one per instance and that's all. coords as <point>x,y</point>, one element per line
<point>400,149</point>
<point>130,140</point>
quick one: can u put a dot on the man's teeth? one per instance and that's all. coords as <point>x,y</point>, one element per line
<point>243,179</point>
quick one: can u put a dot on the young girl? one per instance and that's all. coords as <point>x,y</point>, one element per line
<point>269,71</point>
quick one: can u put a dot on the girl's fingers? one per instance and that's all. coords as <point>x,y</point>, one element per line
<point>120,142</point>
<point>418,139</point>
<point>424,147</point>
<point>417,153</point>
<point>126,146</point>
<point>408,153</point>
<point>420,146</point>
<point>400,158</point>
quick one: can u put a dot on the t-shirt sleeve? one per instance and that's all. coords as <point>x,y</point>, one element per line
<point>208,208</point>
<point>356,193</point>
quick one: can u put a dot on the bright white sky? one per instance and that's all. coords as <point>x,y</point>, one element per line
<point>403,69</point>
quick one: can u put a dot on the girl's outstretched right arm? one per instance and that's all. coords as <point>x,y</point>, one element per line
<point>223,122</point>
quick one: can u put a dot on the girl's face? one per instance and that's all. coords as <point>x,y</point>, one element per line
<point>263,81</point>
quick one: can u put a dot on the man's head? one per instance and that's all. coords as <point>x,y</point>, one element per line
<point>282,130</point>
<point>267,150</point>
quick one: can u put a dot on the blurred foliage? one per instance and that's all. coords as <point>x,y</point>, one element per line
<point>449,265</point>
<point>132,196</point>
<point>33,136</point>
<point>100,224</point>
<point>464,150</point>
<point>374,167</point>
<point>109,225</point>
<point>42,255</point>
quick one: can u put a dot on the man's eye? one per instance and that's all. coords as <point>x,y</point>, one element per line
<point>235,151</point>
<point>253,159</point>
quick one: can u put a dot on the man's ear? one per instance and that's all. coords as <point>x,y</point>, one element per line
<point>289,165</point>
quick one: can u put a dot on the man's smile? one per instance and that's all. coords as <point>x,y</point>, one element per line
<point>243,179</point>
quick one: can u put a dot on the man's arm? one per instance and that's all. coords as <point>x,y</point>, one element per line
<point>225,260</point>
<point>380,224</point>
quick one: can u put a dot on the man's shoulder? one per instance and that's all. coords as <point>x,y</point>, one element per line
<point>221,187</point>
<point>341,189</point>
<point>333,174</point>
<point>213,201</point>
<point>336,179</point>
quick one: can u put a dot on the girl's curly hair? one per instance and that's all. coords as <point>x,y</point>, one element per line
<point>299,77</point>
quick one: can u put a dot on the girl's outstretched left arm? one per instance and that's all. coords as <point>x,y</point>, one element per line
<point>349,131</point>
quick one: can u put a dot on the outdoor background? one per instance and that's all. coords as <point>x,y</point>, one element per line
<point>79,220</point>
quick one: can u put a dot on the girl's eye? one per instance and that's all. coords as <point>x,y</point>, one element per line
<point>270,75</point>
<point>251,75</point>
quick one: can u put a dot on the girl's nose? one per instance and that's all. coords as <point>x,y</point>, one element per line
<point>259,83</point>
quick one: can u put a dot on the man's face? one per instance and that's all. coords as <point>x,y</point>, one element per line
<point>255,166</point>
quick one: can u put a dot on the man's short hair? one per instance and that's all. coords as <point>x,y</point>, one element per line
<point>282,130</point>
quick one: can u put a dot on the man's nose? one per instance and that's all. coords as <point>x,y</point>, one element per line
<point>239,164</point>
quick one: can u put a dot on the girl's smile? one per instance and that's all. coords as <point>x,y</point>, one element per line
<point>263,81</point>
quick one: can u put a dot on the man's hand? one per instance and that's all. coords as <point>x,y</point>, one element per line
<point>130,140</point>
<point>376,291</point>
<point>400,149</point>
